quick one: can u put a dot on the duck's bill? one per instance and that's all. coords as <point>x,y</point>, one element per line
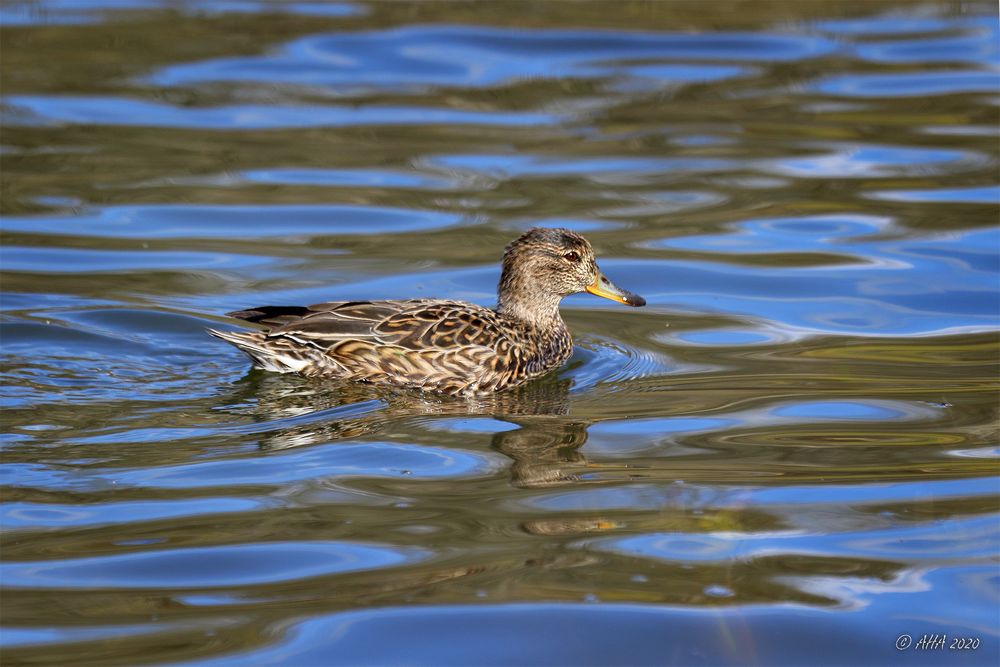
<point>607,289</point>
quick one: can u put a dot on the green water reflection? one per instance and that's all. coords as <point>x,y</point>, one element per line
<point>788,457</point>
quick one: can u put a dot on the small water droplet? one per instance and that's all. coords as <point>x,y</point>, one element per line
<point>139,542</point>
<point>718,591</point>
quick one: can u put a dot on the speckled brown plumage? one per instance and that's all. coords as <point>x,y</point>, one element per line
<point>452,347</point>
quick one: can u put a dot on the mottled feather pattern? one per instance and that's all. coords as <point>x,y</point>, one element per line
<point>452,347</point>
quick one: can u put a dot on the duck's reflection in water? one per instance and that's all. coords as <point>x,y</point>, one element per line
<point>290,411</point>
<point>545,451</point>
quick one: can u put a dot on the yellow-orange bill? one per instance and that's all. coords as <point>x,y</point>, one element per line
<point>605,288</point>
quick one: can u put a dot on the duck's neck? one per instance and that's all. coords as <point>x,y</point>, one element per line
<point>527,304</point>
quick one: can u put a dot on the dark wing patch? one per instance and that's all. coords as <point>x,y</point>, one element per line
<point>325,327</point>
<point>325,323</point>
<point>273,315</point>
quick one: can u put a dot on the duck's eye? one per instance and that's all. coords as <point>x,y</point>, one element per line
<point>572,256</point>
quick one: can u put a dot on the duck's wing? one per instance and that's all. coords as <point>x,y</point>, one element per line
<point>447,344</point>
<point>419,324</point>
<point>331,313</point>
<point>323,324</point>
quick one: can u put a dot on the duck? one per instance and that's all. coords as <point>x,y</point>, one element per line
<point>441,346</point>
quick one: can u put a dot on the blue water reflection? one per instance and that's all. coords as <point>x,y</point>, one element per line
<point>199,221</point>
<point>583,634</point>
<point>614,169</point>
<point>838,410</point>
<point>346,178</point>
<point>980,43</point>
<point>336,461</point>
<point>415,57</point>
<point>855,161</point>
<point>210,567</point>
<point>28,516</point>
<point>37,110</point>
<point>978,539</point>
<point>890,295</point>
<point>82,12</point>
<point>787,457</point>
<point>890,23</point>
<point>910,84</point>
<point>976,195</point>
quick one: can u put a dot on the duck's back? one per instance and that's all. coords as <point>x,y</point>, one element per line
<point>448,346</point>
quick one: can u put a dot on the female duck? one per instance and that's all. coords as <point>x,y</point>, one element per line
<point>452,347</point>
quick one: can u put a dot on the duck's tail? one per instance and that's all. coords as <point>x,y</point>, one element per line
<point>269,354</point>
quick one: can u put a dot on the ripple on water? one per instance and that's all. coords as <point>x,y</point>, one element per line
<point>867,161</point>
<point>36,516</point>
<point>755,453</point>
<point>61,12</point>
<point>977,43</point>
<point>15,637</point>
<point>215,221</point>
<point>631,78</point>
<point>373,178</point>
<point>652,436</point>
<point>970,48</point>
<point>638,496</point>
<point>477,284</point>
<point>328,462</point>
<point>98,354</point>
<point>853,410</point>
<point>387,179</point>
<point>970,538</point>
<point>583,226</point>
<point>649,204</point>
<point>208,567</point>
<point>617,170</point>
<point>812,233</point>
<point>918,491</point>
<point>608,362</point>
<point>891,23</point>
<point>723,338</point>
<point>885,293</point>
<point>987,194</point>
<point>910,84</point>
<point>79,260</point>
<point>470,425</point>
<point>671,436</point>
<point>42,110</point>
<point>717,634</point>
<point>414,58</point>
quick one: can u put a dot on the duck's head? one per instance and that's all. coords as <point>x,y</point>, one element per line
<point>543,265</point>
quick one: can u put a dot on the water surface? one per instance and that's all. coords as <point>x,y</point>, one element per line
<point>788,457</point>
